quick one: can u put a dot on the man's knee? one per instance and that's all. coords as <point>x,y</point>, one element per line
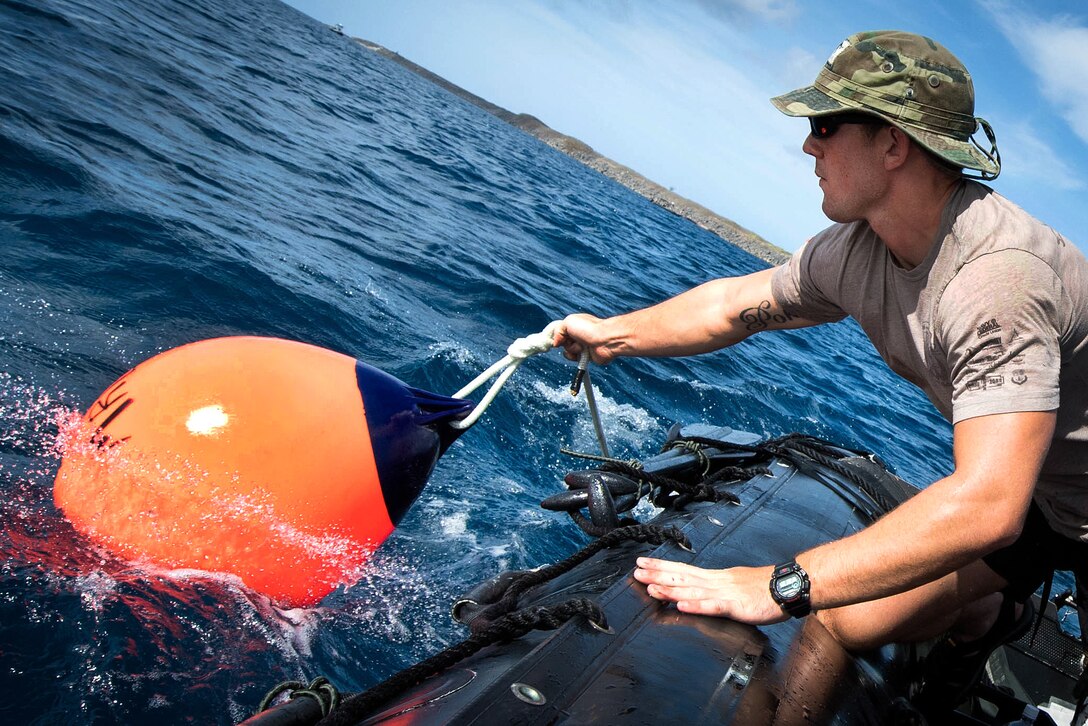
<point>852,629</point>
<point>908,617</point>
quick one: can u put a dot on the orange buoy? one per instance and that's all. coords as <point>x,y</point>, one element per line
<point>279,462</point>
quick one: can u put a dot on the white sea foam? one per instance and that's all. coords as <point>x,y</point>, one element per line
<point>453,351</point>
<point>622,422</point>
<point>455,525</point>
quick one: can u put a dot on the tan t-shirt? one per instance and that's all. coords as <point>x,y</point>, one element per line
<point>994,320</point>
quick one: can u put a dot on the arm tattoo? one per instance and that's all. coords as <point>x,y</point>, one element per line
<point>758,318</point>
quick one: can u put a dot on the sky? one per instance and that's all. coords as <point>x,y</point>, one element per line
<point>679,90</point>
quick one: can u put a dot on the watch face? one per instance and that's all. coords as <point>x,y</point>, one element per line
<point>789,586</point>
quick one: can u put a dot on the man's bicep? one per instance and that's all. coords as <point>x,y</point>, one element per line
<point>1002,454</point>
<point>754,308</point>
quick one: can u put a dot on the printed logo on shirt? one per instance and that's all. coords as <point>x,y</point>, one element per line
<point>995,381</point>
<point>989,352</point>
<point>989,328</point>
<point>1019,377</point>
<point>976,385</point>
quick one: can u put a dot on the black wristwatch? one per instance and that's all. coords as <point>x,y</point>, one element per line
<point>790,589</point>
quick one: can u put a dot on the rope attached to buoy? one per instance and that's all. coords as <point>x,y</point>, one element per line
<point>516,354</point>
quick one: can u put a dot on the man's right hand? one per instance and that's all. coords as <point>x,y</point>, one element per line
<point>580,332</point>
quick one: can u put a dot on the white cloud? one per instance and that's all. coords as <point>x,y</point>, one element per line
<point>762,10</point>
<point>1026,157</point>
<point>702,122</point>
<point>677,96</point>
<point>1056,50</point>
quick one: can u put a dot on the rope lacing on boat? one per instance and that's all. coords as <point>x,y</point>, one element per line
<point>505,599</point>
<point>617,486</point>
<point>809,454</point>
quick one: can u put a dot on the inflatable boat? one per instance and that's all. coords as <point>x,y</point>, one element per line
<point>580,641</point>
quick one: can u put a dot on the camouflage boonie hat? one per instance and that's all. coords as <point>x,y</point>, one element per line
<point>910,81</point>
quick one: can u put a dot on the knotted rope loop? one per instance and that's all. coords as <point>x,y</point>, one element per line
<point>516,354</point>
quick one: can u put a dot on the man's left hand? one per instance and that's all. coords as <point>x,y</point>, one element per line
<point>740,593</point>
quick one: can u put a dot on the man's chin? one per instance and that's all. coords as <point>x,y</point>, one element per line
<point>837,215</point>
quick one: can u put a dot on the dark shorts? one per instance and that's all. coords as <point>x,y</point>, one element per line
<point>1039,550</point>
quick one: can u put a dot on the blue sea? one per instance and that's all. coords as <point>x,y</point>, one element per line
<point>174,171</point>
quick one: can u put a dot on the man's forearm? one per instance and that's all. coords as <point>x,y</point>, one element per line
<point>690,323</point>
<point>957,520</point>
<point>713,315</point>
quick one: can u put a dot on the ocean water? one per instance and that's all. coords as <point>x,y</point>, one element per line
<point>175,171</point>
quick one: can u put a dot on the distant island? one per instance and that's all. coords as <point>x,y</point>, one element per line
<point>725,228</point>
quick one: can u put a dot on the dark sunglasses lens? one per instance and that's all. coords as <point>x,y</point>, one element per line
<point>822,127</point>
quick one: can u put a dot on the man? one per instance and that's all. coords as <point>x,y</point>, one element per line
<point>963,294</point>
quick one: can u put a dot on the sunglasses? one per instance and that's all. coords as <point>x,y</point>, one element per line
<point>825,126</point>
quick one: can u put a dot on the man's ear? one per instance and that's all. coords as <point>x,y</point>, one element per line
<point>897,147</point>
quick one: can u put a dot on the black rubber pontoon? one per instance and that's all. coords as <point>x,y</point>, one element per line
<point>582,642</point>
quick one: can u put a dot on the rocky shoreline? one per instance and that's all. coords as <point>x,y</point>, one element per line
<point>725,228</point>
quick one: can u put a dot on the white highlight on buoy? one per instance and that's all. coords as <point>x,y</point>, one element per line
<point>207,421</point>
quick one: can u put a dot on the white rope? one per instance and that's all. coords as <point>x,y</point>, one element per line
<point>516,354</point>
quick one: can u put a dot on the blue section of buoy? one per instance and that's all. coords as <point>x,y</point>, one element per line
<point>408,433</point>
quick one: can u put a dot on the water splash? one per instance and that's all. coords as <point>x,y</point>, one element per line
<point>31,415</point>
<point>625,425</point>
